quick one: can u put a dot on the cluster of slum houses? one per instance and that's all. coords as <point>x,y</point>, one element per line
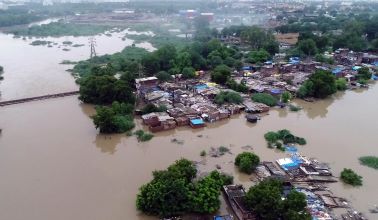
<point>305,175</point>
<point>278,76</point>
<point>191,102</point>
<point>188,103</point>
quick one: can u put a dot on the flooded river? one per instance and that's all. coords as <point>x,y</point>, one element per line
<point>35,70</point>
<point>55,165</point>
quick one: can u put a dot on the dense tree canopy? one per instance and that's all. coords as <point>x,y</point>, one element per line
<point>221,74</point>
<point>247,162</point>
<point>114,119</point>
<point>174,192</point>
<point>320,85</point>
<point>265,199</point>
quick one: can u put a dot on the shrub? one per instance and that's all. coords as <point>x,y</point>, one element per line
<point>341,84</point>
<point>247,162</point>
<point>163,76</point>
<point>286,96</point>
<point>348,176</point>
<point>294,108</point>
<point>142,136</point>
<point>153,108</point>
<point>264,98</point>
<point>229,97</point>
<point>370,161</point>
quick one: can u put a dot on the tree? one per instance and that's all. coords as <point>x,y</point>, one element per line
<point>239,87</point>
<point>188,73</point>
<point>308,47</point>
<point>265,98</point>
<point>114,119</point>
<point>221,74</point>
<point>258,56</point>
<point>266,200</point>
<point>348,176</point>
<point>205,196</point>
<point>104,89</point>
<point>286,96</point>
<point>174,192</point>
<point>364,73</point>
<point>164,76</point>
<point>320,85</point>
<point>183,60</point>
<point>104,120</point>
<point>271,137</point>
<point>151,64</point>
<point>247,162</point>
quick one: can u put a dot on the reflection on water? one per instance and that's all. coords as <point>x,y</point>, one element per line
<point>107,143</point>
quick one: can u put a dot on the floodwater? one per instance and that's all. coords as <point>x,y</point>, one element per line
<point>35,70</point>
<point>55,165</point>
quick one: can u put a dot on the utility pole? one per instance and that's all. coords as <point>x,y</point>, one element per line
<point>92,45</point>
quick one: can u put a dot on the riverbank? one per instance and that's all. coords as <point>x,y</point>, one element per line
<point>51,170</point>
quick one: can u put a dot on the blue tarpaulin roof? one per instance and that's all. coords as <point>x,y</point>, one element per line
<point>197,121</point>
<point>201,86</point>
<point>276,91</point>
<point>337,70</point>
<point>247,68</point>
<point>356,68</point>
<point>291,149</point>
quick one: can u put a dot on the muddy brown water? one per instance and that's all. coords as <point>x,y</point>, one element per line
<point>55,165</point>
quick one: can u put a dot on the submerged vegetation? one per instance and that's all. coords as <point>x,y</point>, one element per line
<point>247,162</point>
<point>175,191</point>
<point>1,72</point>
<point>60,28</point>
<point>143,136</point>
<point>276,139</point>
<point>116,118</point>
<point>348,176</point>
<point>370,161</point>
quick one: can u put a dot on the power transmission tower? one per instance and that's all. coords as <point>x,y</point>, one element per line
<point>92,45</point>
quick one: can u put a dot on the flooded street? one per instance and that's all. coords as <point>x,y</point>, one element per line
<point>55,166</point>
<point>35,70</point>
<point>60,168</point>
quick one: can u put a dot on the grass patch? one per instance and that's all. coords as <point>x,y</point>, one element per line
<point>370,161</point>
<point>143,136</point>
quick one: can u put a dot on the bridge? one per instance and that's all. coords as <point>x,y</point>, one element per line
<point>38,98</point>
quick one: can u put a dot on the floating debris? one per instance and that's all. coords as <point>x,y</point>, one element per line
<point>177,141</point>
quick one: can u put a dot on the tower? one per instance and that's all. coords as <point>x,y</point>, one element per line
<point>92,45</point>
